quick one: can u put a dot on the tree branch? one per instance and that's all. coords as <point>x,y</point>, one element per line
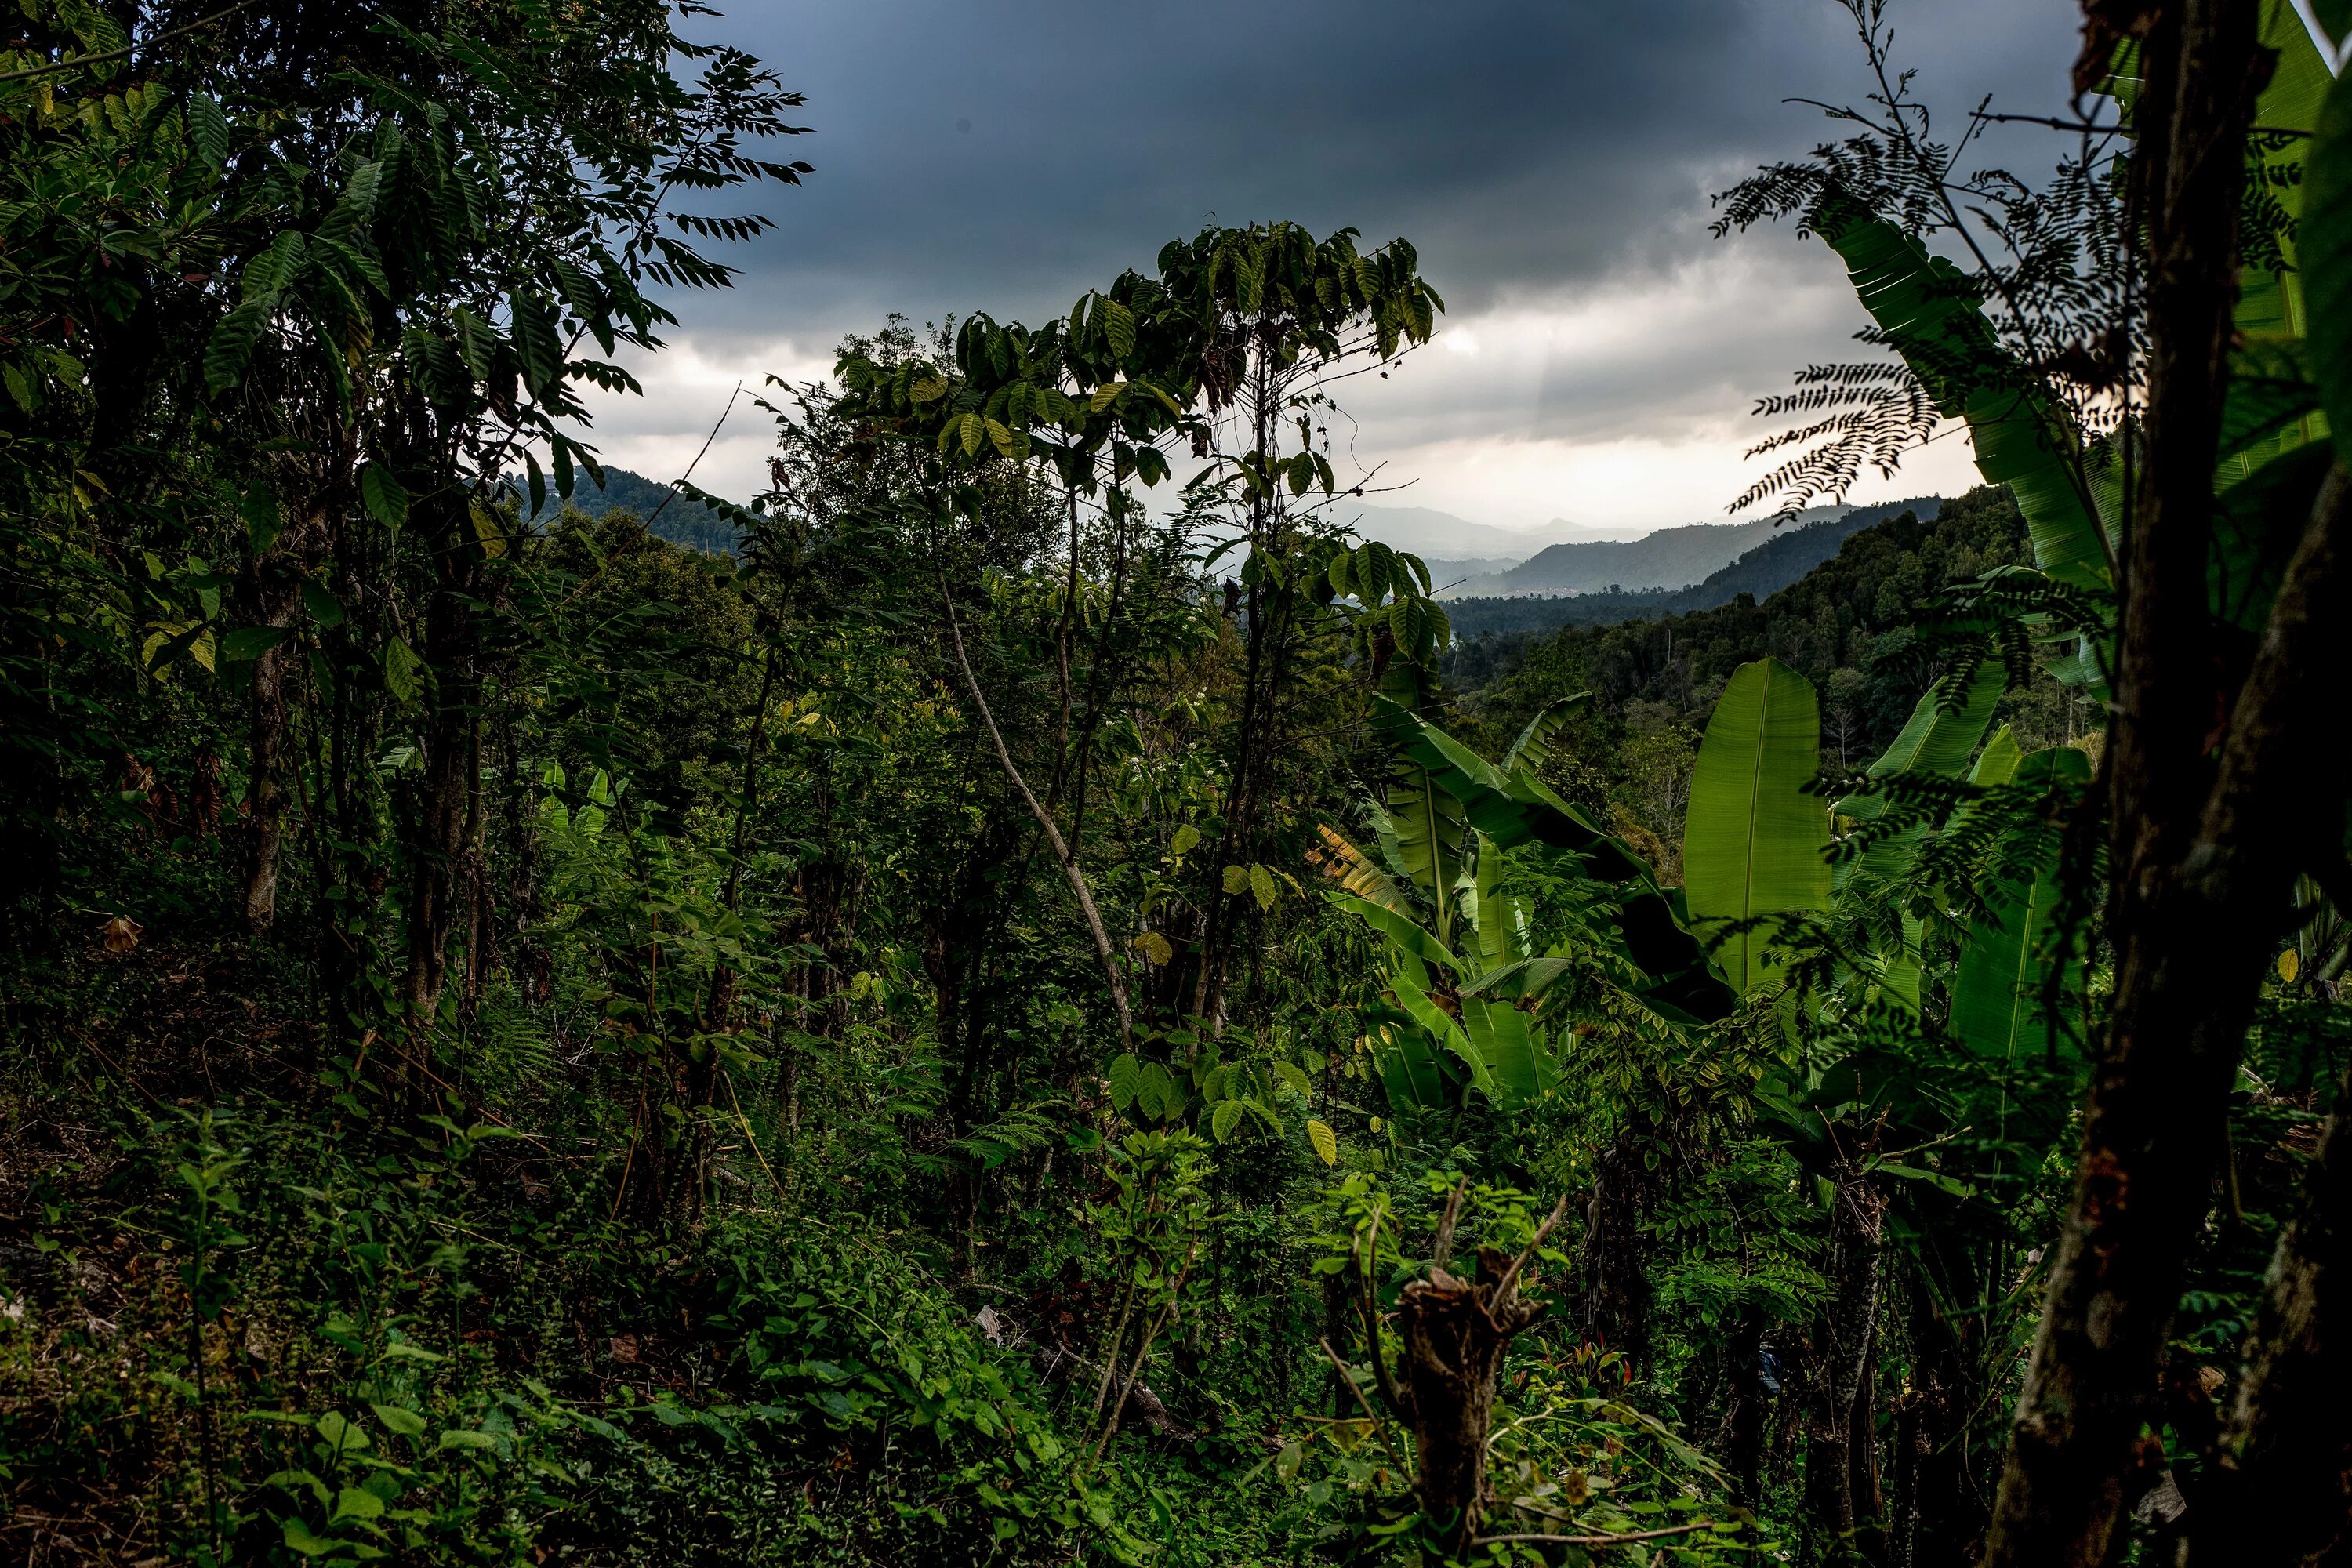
<point>1062,853</point>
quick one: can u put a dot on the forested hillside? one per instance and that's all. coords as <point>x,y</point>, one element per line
<point>1042,1008</point>
<point>1772,565</point>
<point>667,514</point>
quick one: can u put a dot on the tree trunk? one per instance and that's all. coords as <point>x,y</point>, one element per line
<point>1751,1407</point>
<point>1935,1519</point>
<point>1835,1508</point>
<point>2194,938</point>
<point>2283,1493</point>
<point>1456,1333</point>
<point>452,771</point>
<point>1616,1305</point>
<point>2202,867</point>
<point>276,589</point>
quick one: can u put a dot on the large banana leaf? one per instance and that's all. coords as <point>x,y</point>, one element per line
<point>1753,839</point>
<point>1521,1067</point>
<point>1679,980</point>
<point>2022,436</point>
<point>1430,828</point>
<point>1997,998</point>
<point>1442,1027</point>
<point>1360,874</point>
<point>1996,764</point>
<point>1406,936</point>
<point>1410,1072</point>
<point>1496,925</point>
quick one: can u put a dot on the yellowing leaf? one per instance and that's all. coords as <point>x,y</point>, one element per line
<point>1186,838</point>
<point>1153,946</point>
<point>1325,1141</point>
<point>1237,878</point>
<point>2290,964</point>
<point>486,529</point>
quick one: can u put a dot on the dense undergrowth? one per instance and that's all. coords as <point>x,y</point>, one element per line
<point>1017,1018</point>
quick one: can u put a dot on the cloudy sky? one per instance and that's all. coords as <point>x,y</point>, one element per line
<point>1550,160</point>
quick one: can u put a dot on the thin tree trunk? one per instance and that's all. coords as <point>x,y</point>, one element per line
<point>452,769</point>
<point>1617,1293</point>
<point>277,590</point>
<point>1835,1508</point>
<point>1062,855</point>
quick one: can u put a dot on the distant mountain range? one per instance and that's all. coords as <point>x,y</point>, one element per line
<point>1760,572</point>
<point>1441,536</point>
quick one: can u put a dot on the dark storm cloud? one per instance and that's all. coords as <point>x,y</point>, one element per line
<point>1520,146</point>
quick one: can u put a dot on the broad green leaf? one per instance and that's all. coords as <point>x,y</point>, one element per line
<point>1442,1028</point>
<point>1223,1119</point>
<point>356,1502</point>
<point>2020,434</point>
<point>385,497</point>
<point>536,343</point>
<point>1412,1074</point>
<point>1185,837</point>
<point>1261,881</point>
<point>1936,743</point>
<point>1493,921</point>
<point>1753,839</point>
<point>323,606</point>
<point>1997,1010</point>
<point>249,643</point>
<point>404,672</point>
<point>406,1422</point>
<point>1996,764</point>
<point>1118,327</point>
<point>1677,978</point>
<point>1324,1141</point>
<point>1406,934</point>
<point>1126,1082</point>
<point>230,350</point>
<point>1520,1066</point>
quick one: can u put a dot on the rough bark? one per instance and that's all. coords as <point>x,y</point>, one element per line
<point>451,773</point>
<point>1616,1305</point>
<point>2287,1462</point>
<point>2189,962</point>
<point>2202,865</point>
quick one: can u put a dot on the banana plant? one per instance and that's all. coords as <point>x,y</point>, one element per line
<point>1466,975</point>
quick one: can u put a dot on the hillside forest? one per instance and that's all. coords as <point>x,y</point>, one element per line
<point>1042,1007</point>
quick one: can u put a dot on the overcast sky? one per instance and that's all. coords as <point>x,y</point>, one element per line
<point>1550,161</point>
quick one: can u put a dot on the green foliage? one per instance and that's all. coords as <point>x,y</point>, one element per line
<point>1755,844</point>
